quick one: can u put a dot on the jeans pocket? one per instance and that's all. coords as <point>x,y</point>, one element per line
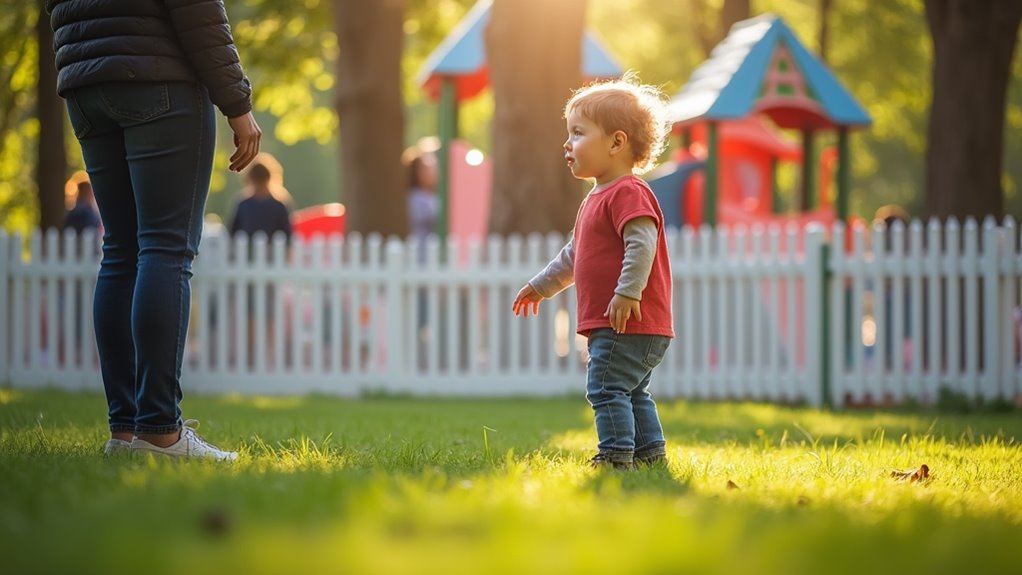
<point>136,102</point>
<point>658,345</point>
<point>79,123</point>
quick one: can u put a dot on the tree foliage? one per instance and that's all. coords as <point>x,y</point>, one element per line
<point>18,127</point>
<point>881,51</point>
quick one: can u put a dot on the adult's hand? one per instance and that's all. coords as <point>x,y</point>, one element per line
<point>246,140</point>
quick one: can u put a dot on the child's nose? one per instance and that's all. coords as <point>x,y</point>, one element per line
<point>567,144</point>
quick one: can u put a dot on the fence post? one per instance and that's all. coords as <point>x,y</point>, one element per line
<point>5,322</point>
<point>993,241</point>
<point>817,297</point>
<point>396,314</point>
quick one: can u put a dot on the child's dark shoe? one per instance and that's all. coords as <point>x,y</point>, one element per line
<point>612,461</point>
<point>659,461</point>
<point>654,455</point>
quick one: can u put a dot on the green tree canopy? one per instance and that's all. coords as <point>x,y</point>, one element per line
<point>881,51</point>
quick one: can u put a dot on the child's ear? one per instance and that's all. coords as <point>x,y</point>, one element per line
<point>618,142</point>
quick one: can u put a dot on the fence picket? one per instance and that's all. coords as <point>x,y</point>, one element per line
<point>994,244</point>
<point>915,265</point>
<point>952,310</point>
<point>970,277</point>
<point>774,384</point>
<point>879,277</point>
<point>838,326</point>
<point>6,318</point>
<point>897,309</point>
<point>794,382</point>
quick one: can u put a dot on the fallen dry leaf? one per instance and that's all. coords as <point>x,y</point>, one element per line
<point>731,485</point>
<point>912,474</point>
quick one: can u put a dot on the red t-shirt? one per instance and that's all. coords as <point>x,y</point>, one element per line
<point>600,252</point>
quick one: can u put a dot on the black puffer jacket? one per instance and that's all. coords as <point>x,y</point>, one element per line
<point>99,41</point>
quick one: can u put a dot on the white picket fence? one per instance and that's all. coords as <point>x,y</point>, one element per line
<point>762,313</point>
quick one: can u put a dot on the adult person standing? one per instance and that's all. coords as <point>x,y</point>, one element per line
<point>141,78</point>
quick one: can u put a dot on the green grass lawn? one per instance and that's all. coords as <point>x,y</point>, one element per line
<point>392,485</point>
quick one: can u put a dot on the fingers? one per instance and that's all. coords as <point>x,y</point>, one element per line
<point>246,151</point>
<point>613,315</point>
<point>622,319</point>
<point>619,316</point>
<point>525,307</point>
<point>527,301</point>
<point>247,136</point>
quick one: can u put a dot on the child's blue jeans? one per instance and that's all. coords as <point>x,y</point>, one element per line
<point>148,148</point>
<point>620,366</point>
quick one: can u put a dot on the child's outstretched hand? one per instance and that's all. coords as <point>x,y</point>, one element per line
<point>620,310</point>
<point>527,298</point>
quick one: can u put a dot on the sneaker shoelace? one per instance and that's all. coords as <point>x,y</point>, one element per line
<point>190,426</point>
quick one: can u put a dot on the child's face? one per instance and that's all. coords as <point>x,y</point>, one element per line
<point>589,151</point>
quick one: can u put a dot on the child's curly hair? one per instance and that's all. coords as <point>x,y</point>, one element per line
<point>639,110</point>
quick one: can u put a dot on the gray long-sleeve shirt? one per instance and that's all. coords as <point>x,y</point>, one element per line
<point>640,238</point>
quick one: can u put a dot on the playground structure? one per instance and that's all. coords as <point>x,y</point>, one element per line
<point>758,81</point>
<point>725,171</point>
<point>750,154</point>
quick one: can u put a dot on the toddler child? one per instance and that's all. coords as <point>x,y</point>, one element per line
<point>617,259</point>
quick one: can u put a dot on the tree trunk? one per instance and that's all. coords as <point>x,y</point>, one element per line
<point>370,110</point>
<point>534,53</point>
<point>973,43</point>
<point>710,31</point>
<point>733,11</point>
<point>825,9</point>
<point>51,164</point>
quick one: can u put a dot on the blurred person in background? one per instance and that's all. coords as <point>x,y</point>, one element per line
<point>82,213</point>
<point>265,204</point>
<point>265,207</point>
<point>423,212</point>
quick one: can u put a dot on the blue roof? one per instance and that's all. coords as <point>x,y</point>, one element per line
<point>463,52</point>
<point>727,86</point>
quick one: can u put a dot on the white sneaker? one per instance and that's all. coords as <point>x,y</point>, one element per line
<point>190,445</point>
<point>116,447</point>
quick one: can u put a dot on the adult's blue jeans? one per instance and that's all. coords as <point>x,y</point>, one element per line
<point>148,149</point>
<point>617,387</point>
